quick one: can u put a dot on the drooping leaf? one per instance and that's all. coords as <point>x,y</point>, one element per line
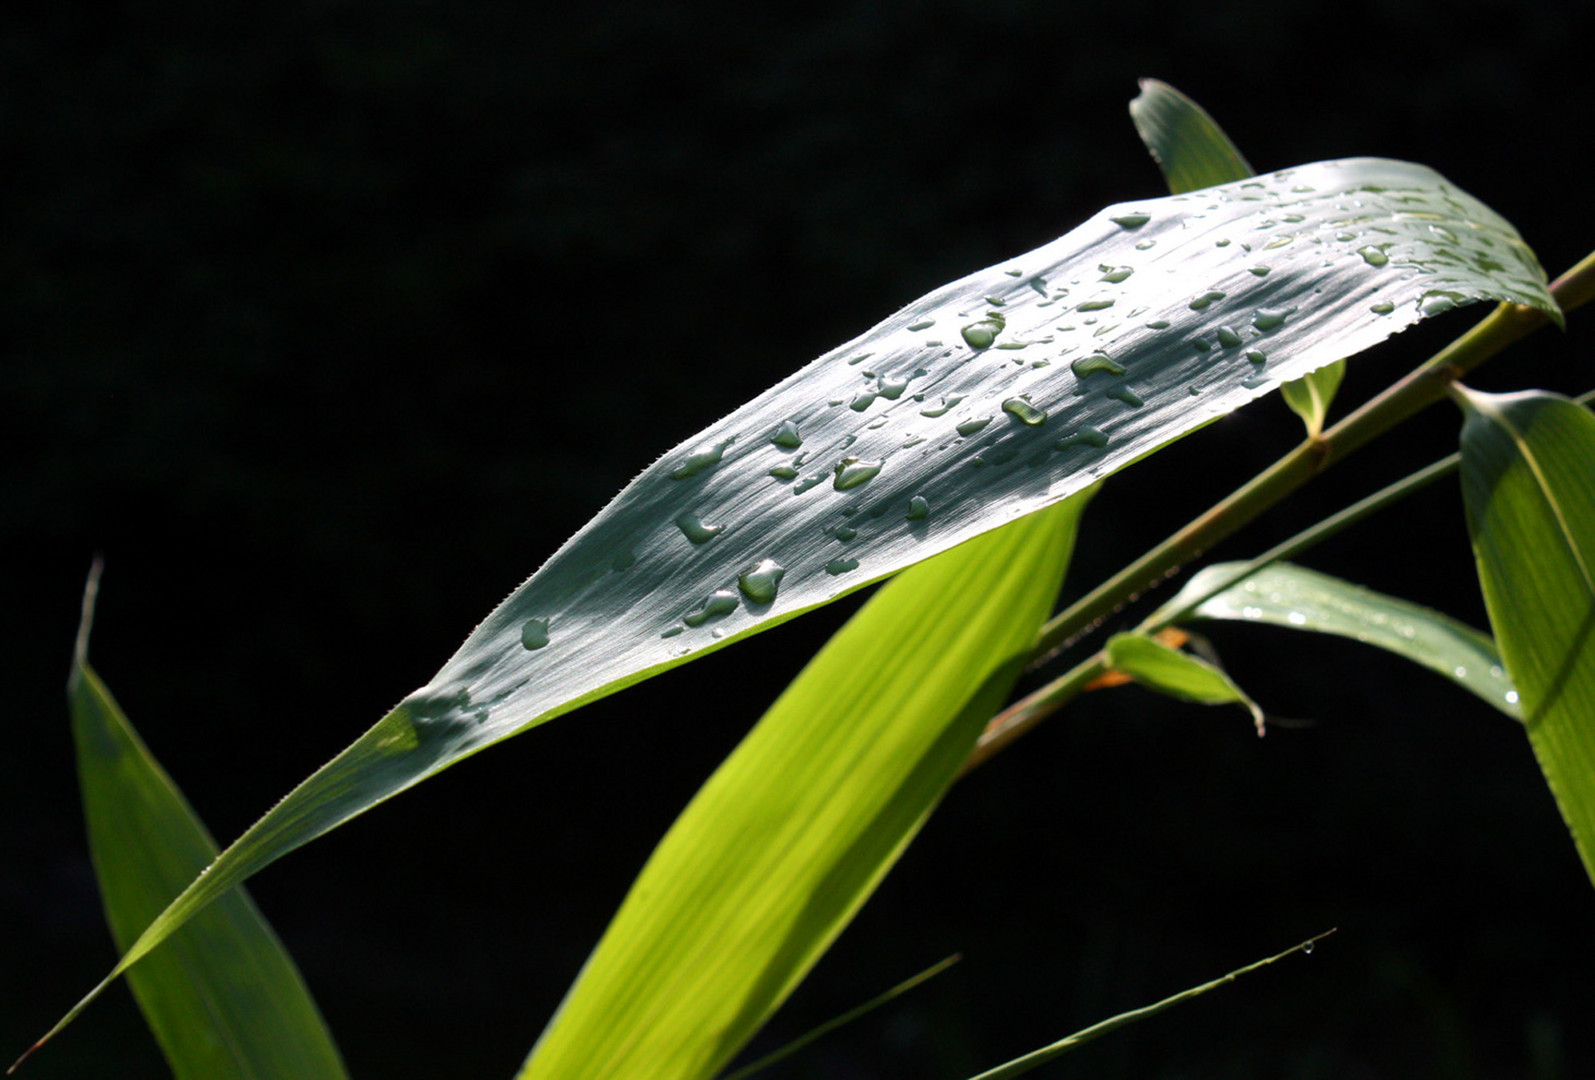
<point>223,998</point>
<point>1021,1065</point>
<point>1528,482</point>
<point>793,832</point>
<point>991,397</point>
<point>1287,595</point>
<point>1194,153</point>
<point>1177,674</point>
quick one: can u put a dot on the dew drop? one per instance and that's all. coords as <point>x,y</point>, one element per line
<point>924,324</point>
<point>846,533</point>
<point>852,472</point>
<point>1228,338</point>
<point>1131,221</point>
<point>1115,274</point>
<point>1439,301</point>
<point>1201,302</point>
<point>695,530</point>
<point>1158,324</point>
<point>672,632</point>
<point>1384,307</point>
<point>1086,436</point>
<point>1126,395</point>
<point>1146,245</point>
<point>969,427</point>
<point>534,634</point>
<point>1270,318</point>
<point>980,335</point>
<point>1257,356</point>
<point>918,508</point>
<point>1094,305</point>
<point>862,401</point>
<point>1511,697</point>
<point>1373,256</point>
<point>1260,271</point>
<point>720,602</point>
<point>892,389</point>
<point>1307,947</point>
<point>784,472</point>
<point>1024,411</point>
<point>787,435</point>
<point>840,566</point>
<point>761,582</point>
<point>1090,365</point>
<point>699,460</point>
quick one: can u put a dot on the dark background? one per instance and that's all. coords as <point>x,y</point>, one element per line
<point>327,322</point>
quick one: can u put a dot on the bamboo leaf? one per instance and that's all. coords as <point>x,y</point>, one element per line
<point>1177,674</point>
<point>986,400</point>
<point>1292,596</point>
<point>1528,483</point>
<point>1021,1065</point>
<point>223,998</point>
<point>1194,152</point>
<point>794,830</point>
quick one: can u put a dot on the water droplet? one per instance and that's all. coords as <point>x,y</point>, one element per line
<point>980,335</point>
<point>852,472</point>
<point>1086,436</point>
<point>925,324</point>
<point>720,602</point>
<point>1131,221</point>
<point>892,389</point>
<point>1307,946</point>
<point>784,472</point>
<point>534,633</point>
<point>761,582</point>
<point>1024,411</point>
<point>1115,274</point>
<point>1439,301</point>
<point>1511,697</point>
<point>1257,356</point>
<point>1205,299</point>
<point>787,435</point>
<point>862,401</point>
<point>1271,318</point>
<point>840,566</point>
<point>1201,345</point>
<point>1221,243</point>
<point>1296,618</point>
<point>1382,308</point>
<point>1228,338</point>
<point>845,533</point>
<point>1014,273</point>
<point>918,508</point>
<point>969,427</point>
<point>941,409</point>
<point>1094,305</point>
<point>695,530</point>
<point>1090,365</point>
<point>1260,271</point>
<point>860,358</point>
<point>672,632</point>
<point>1461,672</point>
<point>699,460</point>
<point>1373,256</point>
<point>1158,324</point>
<point>1126,395</point>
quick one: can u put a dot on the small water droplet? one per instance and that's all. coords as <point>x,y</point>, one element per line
<point>1439,301</point>
<point>1126,395</point>
<point>1461,672</point>
<point>1511,697</point>
<point>1373,256</point>
<point>892,389</point>
<point>860,358</point>
<point>1296,618</point>
<point>1228,338</point>
<point>1090,365</point>
<point>1205,299</point>
<point>862,401</point>
<point>1307,946</point>
<point>1384,307</point>
<point>924,324</point>
<point>941,409</point>
<point>1270,318</point>
<point>787,435</point>
<point>1115,274</point>
<point>695,530</point>
<point>1086,436</point>
<point>1094,305</point>
<point>840,566</point>
<point>534,634</point>
<point>1257,356</point>
<point>1260,271</point>
<point>918,508</point>
<point>980,335</point>
<point>784,472</point>
<point>1131,221</point>
<point>761,583</point>
<point>845,533</point>
<point>972,425</point>
<point>1024,411</point>
<point>672,632</point>
<point>1158,324</point>
<point>720,602</point>
<point>852,472</point>
<point>699,460</point>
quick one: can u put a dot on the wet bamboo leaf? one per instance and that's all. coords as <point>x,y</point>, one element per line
<point>1292,596</point>
<point>986,400</point>
<point>792,833</point>
<point>223,998</point>
<point>1528,482</point>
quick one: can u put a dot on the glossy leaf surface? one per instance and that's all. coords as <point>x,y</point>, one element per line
<point>1528,481</point>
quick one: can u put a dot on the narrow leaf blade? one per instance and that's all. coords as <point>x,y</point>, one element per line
<point>1177,674</point>
<point>1046,373</point>
<point>1528,483</point>
<point>1187,144</point>
<point>1292,596</point>
<point>1310,396</point>
<point>223,999</point>
<point>783,844</point>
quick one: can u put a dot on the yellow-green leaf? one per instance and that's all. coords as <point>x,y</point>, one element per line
<point>1528,480</point>
<point>1177,674</point>
<point>792,833</point>
<point>223,998</point>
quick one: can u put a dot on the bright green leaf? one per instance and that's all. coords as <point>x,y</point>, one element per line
<point>1177,674</point>
<point>792,833</point>
<point>1287,595</point>
<point>1528,481</point>
<point>986,400</point>
<point>1309,397</point>
<point>223,998</point>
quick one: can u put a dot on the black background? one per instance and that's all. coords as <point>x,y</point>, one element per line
<point>327,322</point>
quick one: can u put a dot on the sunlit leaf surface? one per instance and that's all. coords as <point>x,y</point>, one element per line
<point>1528,480</point>
<point>223,998</point>
<point>1177,674</point>
<point>1302,599</point>
<point>991,397</point>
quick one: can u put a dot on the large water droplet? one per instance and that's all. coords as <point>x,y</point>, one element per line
<point>787,435</point>
<point>1438,301</point>
<point>1270,318</point>
<point>534,633</point>
<point>1090,365</point>
<point>1024,411</point>
<point>969,427</point>
<point>980,335</point>
<point>720,602</point>
<point>1257,356</point>
<point>862,401</point>
<point>918,508</point>
<point>761,583</point>
<point>892,389</point>
<point>700,459</point>
<point>852,472</point>
<point>695,530</point>
<point>1131,221</point>
<point>840,566</point>
<point>1373,256</point>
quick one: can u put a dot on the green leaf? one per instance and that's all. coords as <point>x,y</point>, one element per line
<point>1021,1065</point>
<point>223,998</point>
<point>1177,674</point>
<point>1190,148</point>
<point>793,832</point>
<point>1193,152</point>
<point>1528,482</point>
<point>986,400</point>
<point>1287,595</point>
